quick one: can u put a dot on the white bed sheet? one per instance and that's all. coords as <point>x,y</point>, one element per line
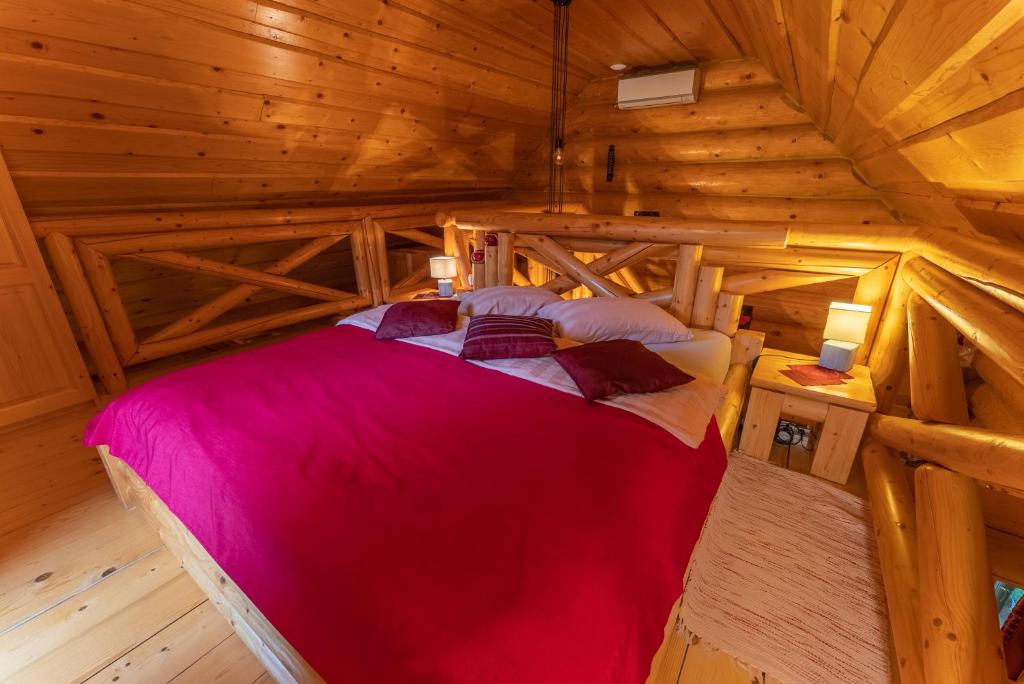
<point>683,411</point>
<point>706,356</point>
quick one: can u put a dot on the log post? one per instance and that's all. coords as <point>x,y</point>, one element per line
<point>728,414</point>
<point>86,312</point>
<point>684,287</point>
<point>959,627</point>
<point>379,255</point>
<point>490,260</point>
<point>366,284</point>
<point>936,381</point>
<point>506,258</point>
<point>479,267</point>
<point>454,247</point>
<point>892,509</point>
<point>727,313</point>
<point>890,349</point>
<point>705,300</point>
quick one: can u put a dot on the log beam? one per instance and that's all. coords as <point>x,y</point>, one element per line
<point>87,313</point>
<point>191,263</point>
<point>100,274</point>
<point>644,229</point>
<point>238,294</point>
<point>892,509</point>
<point>959,625</point>
<point>573,267</point>
<point>211,239</point>
<point>619,258</point>
<point>985,455</point>
<point>996,328</point>
<point>770,280</point>
<point>247,328</point>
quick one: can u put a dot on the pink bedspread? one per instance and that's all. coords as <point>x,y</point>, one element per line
<point>404,516</point>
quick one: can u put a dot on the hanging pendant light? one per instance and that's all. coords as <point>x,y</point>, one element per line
<point>559,86</point>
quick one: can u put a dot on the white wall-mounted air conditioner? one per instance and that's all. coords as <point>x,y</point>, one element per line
<point>681,86</point>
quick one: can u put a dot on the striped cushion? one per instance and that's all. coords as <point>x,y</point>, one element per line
<point>507,337</point>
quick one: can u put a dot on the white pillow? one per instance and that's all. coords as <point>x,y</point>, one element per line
<point>506,300</point>
<point>596,319</point>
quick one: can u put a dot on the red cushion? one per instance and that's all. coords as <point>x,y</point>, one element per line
<point>495,336</point>
<point>417,319</point>
<point>601,369</point>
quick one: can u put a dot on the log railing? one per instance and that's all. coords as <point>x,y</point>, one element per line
<point>700,294</point>
<point>82,251</point>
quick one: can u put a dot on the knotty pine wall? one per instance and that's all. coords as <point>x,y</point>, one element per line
<point>745,151</point>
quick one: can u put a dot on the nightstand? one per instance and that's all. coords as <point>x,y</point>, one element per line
<point>841,409</point>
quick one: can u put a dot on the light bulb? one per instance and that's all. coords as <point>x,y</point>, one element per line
<point>559,156</point>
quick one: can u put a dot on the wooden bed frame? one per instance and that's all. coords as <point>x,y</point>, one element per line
<point>987,283</point>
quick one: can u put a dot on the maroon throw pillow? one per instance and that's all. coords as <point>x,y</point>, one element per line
<point>601,369</point>
<point>417,319</point>
<point>495,336</point>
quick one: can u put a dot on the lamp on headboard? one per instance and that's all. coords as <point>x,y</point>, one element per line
<point>444,269</point>
<point>845,331</point>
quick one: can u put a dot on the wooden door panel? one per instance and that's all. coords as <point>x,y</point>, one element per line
<point>41,368</point>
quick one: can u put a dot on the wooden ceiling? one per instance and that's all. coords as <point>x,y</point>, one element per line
<point>926,97</point>
<point>117,103</point>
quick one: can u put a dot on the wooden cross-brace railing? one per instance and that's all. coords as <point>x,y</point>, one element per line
<point>701,295</point>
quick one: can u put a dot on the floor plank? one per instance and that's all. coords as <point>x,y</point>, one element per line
<point>76,638</point>
<point>170,651</point>
<point>87,589</point>
<point>67,553</point>
<point>229,661</point>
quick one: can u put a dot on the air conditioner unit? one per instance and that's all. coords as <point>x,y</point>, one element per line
<point>680,86</point>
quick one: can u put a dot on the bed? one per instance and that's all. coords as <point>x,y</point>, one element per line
<point>384,511</point>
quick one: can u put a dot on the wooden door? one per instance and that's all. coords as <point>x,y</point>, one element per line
<point>41,369</point>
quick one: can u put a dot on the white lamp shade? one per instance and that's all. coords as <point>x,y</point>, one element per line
<point>847,322</point>
<point>443,267</point>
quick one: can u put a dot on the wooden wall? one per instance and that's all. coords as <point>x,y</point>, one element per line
<point>139,103</point>
<point>745,151</point>
<point>924,96</point>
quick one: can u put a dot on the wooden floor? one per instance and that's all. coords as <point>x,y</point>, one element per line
<point>87,591</point>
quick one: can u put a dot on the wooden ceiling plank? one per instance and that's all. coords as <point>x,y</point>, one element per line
<point>526,20</point>
<point>380,55</point>
<point>440,29</point>
<point>695,24</point>
<point>995,72</point>
<point>813,30</point>
<point>215,57</point>
<point>924,40</point>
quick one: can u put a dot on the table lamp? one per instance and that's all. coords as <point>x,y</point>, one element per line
<point>444,269</point>
<point>844,332</point>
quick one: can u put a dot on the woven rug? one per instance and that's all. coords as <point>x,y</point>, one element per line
<point>786,579</point>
